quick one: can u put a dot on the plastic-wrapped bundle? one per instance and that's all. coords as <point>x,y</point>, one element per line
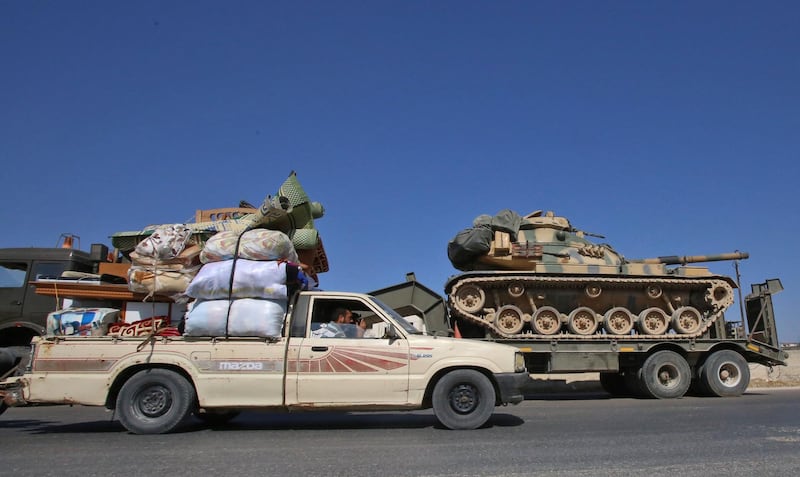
<point>258,244</point>
<point>248,317</point>
<point>252,279</point>
<point>189,257</point>
<point>166,241</point>
<point>81,321</point>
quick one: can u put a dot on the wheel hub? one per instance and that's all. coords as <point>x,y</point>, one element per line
<point>463,398</point>
<point>155,401</point>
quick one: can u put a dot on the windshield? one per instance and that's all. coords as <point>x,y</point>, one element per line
<point>408,327</point>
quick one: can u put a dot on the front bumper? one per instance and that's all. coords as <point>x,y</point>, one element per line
<point>11,393</point>
<point>510,386</point>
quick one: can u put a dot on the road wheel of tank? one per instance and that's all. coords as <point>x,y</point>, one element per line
<point>665,375</point>
<point>155,401</point>
<point>546,321</point>
<point>470,298</point>
<point>687,320</point>
<point>725,374</point>
<point>216,417</point>
<point>463,399</point>
<point>619,321</point>
<point>653,321</point>
<point>509,320</point>
<point>583,321</point>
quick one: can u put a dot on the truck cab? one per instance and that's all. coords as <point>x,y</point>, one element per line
<point>23,313</point>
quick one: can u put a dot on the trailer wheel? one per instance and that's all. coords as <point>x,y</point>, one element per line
<point>463,399</point>
<point>725,374</point>
<point>665,375</point>
<point>155,401</point>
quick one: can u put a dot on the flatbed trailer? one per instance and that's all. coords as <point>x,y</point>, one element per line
<point>715,363</point>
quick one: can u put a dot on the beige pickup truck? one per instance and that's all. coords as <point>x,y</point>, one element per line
<point>154,384</point>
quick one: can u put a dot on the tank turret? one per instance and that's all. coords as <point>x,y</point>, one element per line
<point>537,275</point>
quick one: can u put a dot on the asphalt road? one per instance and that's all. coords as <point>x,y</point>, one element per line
<point>574,434</point>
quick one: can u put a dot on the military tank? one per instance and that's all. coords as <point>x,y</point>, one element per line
<point>537,277</point>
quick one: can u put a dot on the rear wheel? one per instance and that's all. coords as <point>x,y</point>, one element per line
<point>725,374</point>
<point>463,399</point>
<point>155,401</point>
<point>665,375</point>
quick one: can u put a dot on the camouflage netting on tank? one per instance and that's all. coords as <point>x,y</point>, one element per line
<point>475,241</point>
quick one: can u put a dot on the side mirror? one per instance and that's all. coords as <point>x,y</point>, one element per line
<point>391,333</point>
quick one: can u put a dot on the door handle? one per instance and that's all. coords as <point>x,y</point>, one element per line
<point>319,348</point>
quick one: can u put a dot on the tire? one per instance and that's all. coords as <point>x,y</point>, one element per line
<point>3,407</point>
<point>7,360</point>
<point>614,384</point>
<point>463,399</point>
<point>155,401</point>
<point>725,374</point>
<point>665,375</point>
<point>216,417</point>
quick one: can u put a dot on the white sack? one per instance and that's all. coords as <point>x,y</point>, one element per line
<point>248,317</point>
<point>252,280</point>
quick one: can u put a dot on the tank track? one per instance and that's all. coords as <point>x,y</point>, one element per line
<point>506,306</point>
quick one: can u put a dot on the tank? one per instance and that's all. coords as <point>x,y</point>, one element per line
<point>537,277</point>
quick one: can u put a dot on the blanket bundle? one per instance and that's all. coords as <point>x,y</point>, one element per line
<point>165,262</point>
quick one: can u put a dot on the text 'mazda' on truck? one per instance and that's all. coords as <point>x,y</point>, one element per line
<point>155,384</point>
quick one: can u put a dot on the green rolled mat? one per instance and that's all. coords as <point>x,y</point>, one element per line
<point>304,239</point>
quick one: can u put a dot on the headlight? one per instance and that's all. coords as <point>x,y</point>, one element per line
<point>519,362</point>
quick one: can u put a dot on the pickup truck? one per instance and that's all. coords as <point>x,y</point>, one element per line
<point>154,383</point>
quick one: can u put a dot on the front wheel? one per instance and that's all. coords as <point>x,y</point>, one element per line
<point>463,399</point>
<point>665,375</point>
<point>725,374</point>
<point>155,401</point>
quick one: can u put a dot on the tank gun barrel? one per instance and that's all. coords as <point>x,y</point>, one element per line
<point>683,260</point>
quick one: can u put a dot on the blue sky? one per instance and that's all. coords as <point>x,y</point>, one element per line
<point>668,127</point>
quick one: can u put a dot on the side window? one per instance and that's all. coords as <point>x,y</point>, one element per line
<point>12,274</point>
<point>47,270</point>
<point>335,318</point>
